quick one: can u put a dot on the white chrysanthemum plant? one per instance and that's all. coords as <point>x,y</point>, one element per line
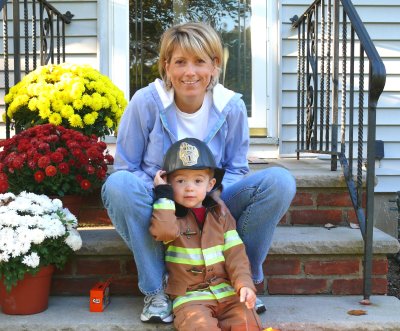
<point>35,231</point>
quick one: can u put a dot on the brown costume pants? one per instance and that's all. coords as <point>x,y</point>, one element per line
<point>227,316</point>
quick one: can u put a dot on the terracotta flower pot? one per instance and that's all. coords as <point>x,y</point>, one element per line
<point>29,296</point>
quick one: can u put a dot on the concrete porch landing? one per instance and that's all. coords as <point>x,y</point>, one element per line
<point>286,313</point>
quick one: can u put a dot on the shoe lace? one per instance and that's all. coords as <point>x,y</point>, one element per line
<point>157,300</point>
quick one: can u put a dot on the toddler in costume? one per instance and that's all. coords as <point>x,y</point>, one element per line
<point>209,272</point>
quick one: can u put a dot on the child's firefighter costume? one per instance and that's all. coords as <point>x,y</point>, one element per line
<point>206,266</point>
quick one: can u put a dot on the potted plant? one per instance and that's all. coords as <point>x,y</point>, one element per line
<point>36,235</point>
<point>52,160</point>
<point>74,96</point>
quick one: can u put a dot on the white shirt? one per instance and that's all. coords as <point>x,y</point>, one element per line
<point>194,125</point>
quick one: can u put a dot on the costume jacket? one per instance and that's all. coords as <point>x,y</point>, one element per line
<point>203,264</point>
<point>149,127</point>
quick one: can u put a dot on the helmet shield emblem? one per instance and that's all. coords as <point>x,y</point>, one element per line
<point>188,154</point>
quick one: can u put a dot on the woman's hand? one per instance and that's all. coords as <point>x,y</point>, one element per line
<point>159,178</point>
<point>248,296</point>
<point>216,195</point>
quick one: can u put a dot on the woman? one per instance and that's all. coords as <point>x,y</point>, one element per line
<point>188,102</point>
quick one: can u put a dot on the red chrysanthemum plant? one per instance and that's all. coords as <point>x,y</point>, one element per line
<point>52,160</point>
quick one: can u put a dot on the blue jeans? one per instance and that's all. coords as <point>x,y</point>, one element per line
<point>257,202</point>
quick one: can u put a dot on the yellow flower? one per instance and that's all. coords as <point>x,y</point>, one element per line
<point>8,98</point>
<point>88,119</point>
<point>75,121</point>
<point>67,111</point>
<point>55,119</point>
<point>109,122</point>
<point>44,112</point>
<point>57,105</point>
<point>88,100</point>
<point>32,104</point>
<point>77,104</point>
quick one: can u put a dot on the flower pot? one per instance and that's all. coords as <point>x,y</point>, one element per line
<point>30,295</point>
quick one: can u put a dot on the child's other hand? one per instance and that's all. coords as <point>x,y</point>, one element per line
<point>248,296</point>
<point>159,178</point>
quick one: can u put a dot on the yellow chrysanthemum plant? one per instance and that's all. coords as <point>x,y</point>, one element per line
<point>74,96</point>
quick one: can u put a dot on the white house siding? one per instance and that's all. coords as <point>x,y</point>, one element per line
<point>81,39</point>
<point>382,20</point>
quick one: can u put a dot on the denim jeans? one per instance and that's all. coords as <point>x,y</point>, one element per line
<point>257,202</point>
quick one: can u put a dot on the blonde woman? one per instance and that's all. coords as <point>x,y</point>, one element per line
<point>189,102</point>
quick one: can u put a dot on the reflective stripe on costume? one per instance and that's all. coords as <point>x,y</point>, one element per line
<point>216,292</point>
<point>164,203</point>
<point>213,255</point>
<point>231,239</point>
<point>191,256</point>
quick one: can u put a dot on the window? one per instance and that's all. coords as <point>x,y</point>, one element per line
<point>244,66</point>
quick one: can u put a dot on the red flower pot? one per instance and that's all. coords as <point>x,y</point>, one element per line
<point>29,296</point>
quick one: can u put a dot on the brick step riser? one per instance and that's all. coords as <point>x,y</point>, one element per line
<point>294,275</point>
<point>310,206</point>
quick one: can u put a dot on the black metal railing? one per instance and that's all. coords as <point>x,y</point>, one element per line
<point>323,27</point>
<point>43,38</point>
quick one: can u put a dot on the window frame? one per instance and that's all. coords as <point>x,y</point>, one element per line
<point>113,27</point>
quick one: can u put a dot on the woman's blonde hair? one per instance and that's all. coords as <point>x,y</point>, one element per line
<point>195,38</point>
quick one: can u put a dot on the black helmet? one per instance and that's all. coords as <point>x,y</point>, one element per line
<point>191,153</point>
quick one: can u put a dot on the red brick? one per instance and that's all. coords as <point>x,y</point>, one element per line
<point>297,286</point>
<point>94,216</point>
<point>351,216</point>
<point>73,286</point>
<point>130,267</point>
<point>282,266</point>
<point>125,286</point>
<point>66,270</point>
<point>302,199</point>
<point>316,216</point>
<point>334,199</point>
<point>355,286</point>
<point>345,267</point>
<point>380,266</point>
<point>98,267</point>
<point>284,219</point>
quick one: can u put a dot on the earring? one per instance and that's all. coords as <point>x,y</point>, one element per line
<point>213,82</point>
<point>168,83</point>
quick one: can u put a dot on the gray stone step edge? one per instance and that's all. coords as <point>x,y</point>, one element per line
<point>286,313</point>
<point>287,240</point>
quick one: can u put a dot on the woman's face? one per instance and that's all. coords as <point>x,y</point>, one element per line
<point>190,75</point>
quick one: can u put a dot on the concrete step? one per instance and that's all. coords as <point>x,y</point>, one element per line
<point>286,313</point>
<point>302,260</point>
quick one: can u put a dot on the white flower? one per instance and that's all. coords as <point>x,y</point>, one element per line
<point>32,260</point>
<point>74,240</point>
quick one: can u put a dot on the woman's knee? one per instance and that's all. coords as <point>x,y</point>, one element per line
<point>279,180</point>
<point>118,185</point>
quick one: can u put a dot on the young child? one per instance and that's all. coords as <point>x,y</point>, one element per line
<point>209,275</point>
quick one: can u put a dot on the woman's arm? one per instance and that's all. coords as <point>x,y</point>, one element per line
<point>133,132</point>
<point>236,144</point>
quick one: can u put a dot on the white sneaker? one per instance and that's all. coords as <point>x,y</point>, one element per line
<point>157,309</point>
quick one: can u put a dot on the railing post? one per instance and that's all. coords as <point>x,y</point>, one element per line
<point>17,38</point>
<point>335,83</point>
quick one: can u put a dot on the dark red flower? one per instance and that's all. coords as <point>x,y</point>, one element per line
<point>39,176</point>
<point>63,168</point>
<point>85,184</point>
<point>90,169</point>
<point>18,162</point>
<point>51,171</point>
<point>3,186</point>
<point>60,159</point>
<point>44,161</point>
<point>56,157</point>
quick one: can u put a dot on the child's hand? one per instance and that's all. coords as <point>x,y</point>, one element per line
<point>159,178</point>
<point>248,296</point>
